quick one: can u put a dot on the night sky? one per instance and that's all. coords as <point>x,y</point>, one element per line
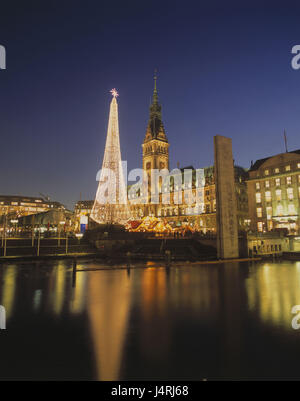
<point>223,68</point>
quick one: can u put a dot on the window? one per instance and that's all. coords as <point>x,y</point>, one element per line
<point>259,212</point>
<point>267,184</point>
<point>276,170</point>
<point>288,180</point>
<point>278,194</point>
<point>298,165</point>
<point>266,172</point>
<point>258,185</point>
<point>258,197</point>
<point>269,212</point>
<point>290,193</point>
<point>268,196</point>
<point>279,210</point>
<point>287,168</point>
<point>277,182</point>
<point>291,209</point>
<point>259,226</point>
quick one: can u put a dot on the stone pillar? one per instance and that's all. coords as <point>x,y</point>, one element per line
<point>227,225</point>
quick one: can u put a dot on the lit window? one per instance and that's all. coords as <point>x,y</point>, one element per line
<point>291,209</point>
<point>268,196</point>
<point>290,193</point>
<point>277,182</point>
<point>259,226</point>
<point>258,185</point>
<point>287,168</point>
<point>259,212</point>
<point>276,170</point>
<point>267,184</point>
<point>258,197</point>
<point>298,165</point>
<point>269,212</point>
<point>278,194</point>
<point>266,172</point>
<point>288,180</point>
<point>279,210</point>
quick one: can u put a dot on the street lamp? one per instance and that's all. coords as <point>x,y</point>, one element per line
<point>5,239</point>
<point>79,236</point>
<point>60,224</point>
<point>14,221</point>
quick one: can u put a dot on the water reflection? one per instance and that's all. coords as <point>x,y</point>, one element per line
<point>109,295</point>
<point>226,320</point>
<point>7,293</point>
<point>272,290</point>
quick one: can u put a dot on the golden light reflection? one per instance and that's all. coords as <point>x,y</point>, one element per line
<point>272,291</point>
<point>162,292</point>
<point>58,293</point>
<point>7,294</point>
<point>196,292</point>
<point>79,292</point>
<point>153,291</point>
<point>109,297</point>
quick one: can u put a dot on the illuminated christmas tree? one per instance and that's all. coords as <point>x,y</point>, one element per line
<point>110,205</point>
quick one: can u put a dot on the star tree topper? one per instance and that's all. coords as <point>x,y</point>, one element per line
<point>114,92</point>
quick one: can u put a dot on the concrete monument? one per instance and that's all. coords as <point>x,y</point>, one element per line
<point>227,228</point>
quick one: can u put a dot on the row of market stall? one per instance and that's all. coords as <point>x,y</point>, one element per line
<point>157,225</point>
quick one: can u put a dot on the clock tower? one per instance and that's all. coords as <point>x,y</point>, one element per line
<point>156,145</point>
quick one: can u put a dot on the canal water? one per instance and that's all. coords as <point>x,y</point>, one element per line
<point>187,322</point>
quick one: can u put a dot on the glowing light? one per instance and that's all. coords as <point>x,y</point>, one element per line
<point>110,205</point>
<point>114,92</point>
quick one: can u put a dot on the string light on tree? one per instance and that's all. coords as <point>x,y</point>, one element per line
<point>110,204</point>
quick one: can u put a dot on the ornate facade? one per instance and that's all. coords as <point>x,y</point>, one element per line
<point>274,193</point>
<point>156,156</point>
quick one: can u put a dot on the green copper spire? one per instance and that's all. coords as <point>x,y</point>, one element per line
<point>155,94</point>
<point>155,129</point>
<point>155,107</point>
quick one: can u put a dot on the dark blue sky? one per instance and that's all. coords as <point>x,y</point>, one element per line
<point>224,68</point>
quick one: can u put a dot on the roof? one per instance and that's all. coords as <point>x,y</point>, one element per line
<point>85,203</point>
<point>260,162</point>
<point>21,198</point>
